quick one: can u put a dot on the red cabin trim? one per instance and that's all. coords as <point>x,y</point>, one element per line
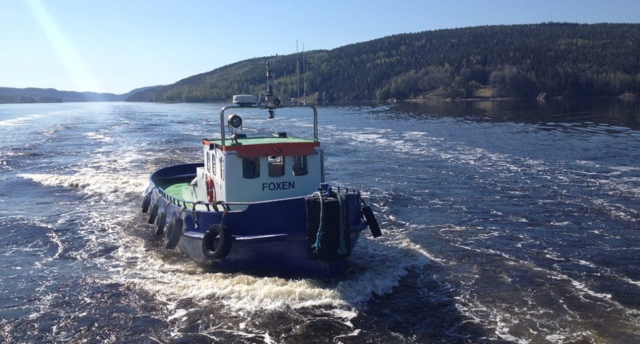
<point>267,149</point>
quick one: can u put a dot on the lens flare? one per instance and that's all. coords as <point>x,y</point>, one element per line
<point>73,62</point>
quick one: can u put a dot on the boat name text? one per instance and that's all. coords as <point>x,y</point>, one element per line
<point>278,186</point>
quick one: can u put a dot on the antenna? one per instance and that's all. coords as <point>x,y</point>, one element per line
<point>297,71</point>
<point>271,100</point>
<point>304,76</point>
<point>269,77</point>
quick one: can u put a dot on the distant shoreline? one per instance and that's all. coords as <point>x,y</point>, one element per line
<point>626,96</point>
<point>313,100</point>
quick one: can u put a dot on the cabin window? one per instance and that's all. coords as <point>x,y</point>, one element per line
<point>212,160</point>
<point>300,165</point>
<point>276,166</point>
<point>251,168</point>
<point>211,163</point>
<point>221,162</point>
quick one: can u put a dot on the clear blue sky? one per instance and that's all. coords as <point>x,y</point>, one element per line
<point>118,45</point>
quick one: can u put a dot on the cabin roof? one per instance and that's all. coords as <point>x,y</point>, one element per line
<point>253,147</point>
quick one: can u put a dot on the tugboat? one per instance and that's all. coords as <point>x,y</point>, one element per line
<point>258,203</point>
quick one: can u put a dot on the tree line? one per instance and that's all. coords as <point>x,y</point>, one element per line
<point>550,59</point>
<point>50,95</point>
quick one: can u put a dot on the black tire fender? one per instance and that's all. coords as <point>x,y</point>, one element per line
<point>173,233</point>
<point>216,243</point>
<point>160,223</point>
<point>371,221</point>
<point>145,204</point>
<point>153,213</point>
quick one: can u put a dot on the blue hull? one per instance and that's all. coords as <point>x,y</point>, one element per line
<point>268,236</point>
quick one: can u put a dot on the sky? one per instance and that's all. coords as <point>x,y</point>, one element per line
<point>116,46</point>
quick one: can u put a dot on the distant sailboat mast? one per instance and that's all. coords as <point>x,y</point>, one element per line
<point>304,77</point>
<point>297,72</point>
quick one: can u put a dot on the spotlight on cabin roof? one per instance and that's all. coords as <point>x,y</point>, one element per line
<point>235,121</point>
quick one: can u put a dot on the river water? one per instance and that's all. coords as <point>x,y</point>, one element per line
<point>503,222</point>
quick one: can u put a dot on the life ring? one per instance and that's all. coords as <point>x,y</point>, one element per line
<point>371,221</point>
<point>211,190</point>
<point>160,223</point>
<point>173,233</point>
<point>153,213</point>
<point>216,243</point>
<point>145,204</point>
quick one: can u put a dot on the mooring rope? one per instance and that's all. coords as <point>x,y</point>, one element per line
<point>317,245</point>
<point>343,224</point>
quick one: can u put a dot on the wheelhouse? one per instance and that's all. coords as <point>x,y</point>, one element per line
<point>261,168</point>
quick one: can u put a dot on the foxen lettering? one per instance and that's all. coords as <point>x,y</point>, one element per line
<point>278,186</point>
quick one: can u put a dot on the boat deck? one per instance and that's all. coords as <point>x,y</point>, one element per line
<point>176,191</point>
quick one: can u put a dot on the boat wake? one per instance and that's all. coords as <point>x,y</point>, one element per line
<point>118,244</point>
<point>90,183</point>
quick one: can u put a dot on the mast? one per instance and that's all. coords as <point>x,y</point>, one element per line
<point>304,76</point>
<point>270,98</point>
<point>297,72</point>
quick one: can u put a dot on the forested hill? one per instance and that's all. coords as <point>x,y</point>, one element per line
<point>50,95</point>
<point>556,59</point>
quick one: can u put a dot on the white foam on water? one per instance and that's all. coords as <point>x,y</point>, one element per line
<point>586,263</point>
<point>111,186</point>
<point>345,314</point>
<point>55,238</point>
<point>584,290</point>
<point>21,120</point>
<point>538,315</point>
<point>376,269</point>
<point>101,137</point>
<point>376,266</point>
<point>630,281</point>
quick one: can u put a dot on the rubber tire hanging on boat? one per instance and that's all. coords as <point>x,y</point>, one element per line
<point>145,204</point>
<point>173,233</point>
<point>221,234</point>
<point>160,223</point>
<point>371,221</point>
<point>153,213</point>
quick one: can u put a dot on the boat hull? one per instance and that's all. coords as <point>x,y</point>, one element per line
<point>265,237</point>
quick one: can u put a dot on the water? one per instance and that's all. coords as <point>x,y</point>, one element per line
<point>503,222</point>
